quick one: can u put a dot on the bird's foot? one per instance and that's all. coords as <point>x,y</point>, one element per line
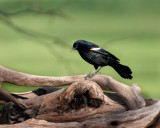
<point>90,75</point>
<point>98,73</point>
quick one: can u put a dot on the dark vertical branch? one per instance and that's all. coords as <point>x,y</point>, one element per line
<point>8,97</point>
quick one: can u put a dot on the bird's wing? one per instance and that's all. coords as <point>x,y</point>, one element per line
<point>103,52</point>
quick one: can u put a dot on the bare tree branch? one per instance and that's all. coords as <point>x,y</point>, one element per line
<point>46,40</point>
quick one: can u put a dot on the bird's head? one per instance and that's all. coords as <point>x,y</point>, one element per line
<point>75,46</point>
<point>81,44</point>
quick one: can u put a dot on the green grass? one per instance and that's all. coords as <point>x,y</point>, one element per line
<point>133,36</point>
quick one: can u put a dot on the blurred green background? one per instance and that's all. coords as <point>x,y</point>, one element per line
<point>37,35</point>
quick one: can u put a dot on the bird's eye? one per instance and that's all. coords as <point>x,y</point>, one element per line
<point>76,46</point>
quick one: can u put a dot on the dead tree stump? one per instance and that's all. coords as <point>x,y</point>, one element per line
<point>82,104</point>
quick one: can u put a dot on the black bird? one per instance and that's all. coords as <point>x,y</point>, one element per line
<point>99,57</point>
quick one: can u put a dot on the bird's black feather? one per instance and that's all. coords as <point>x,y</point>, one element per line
<point>122,70</point>
<point>104,52</point>
<point>97,56</point>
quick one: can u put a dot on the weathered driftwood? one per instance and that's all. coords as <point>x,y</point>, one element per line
<point>140,118</point>
<point>130,94</point>
<point>82,104</point>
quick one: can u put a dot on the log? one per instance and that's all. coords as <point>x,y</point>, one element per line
<point>82,104</point>
<point>140,118</point>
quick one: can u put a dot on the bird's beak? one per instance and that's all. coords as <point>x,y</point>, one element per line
<point>72,49</point>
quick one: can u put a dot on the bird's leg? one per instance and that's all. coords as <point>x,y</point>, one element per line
<point>92,74</point>
<point>98,71</point>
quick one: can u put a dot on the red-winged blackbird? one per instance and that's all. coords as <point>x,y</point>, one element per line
<point>99,57</point>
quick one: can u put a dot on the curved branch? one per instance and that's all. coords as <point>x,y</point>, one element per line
<point>130,94</point>
<point>23,79</point>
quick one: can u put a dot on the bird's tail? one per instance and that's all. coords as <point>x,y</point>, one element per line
<point>122,70</point>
